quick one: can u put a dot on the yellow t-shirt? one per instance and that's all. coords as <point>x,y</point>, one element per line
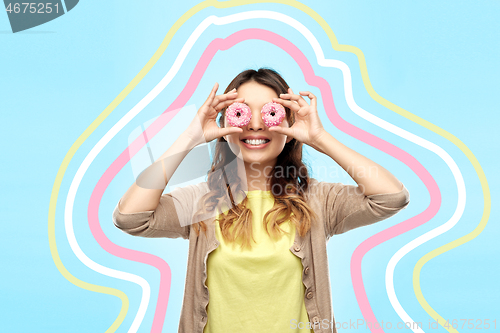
<point>257,290</point>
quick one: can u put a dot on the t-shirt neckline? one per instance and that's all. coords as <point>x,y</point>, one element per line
<point>258,193</point>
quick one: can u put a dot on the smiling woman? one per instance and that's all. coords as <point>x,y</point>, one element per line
<point>258,195</point>
<point>257,144</point>
<point>262,152</point>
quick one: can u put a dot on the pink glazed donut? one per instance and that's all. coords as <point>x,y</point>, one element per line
<point>238,114</point>
<point>273,114</point>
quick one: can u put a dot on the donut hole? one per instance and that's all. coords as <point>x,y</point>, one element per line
<point>272,114</point>
<point>238,114</point>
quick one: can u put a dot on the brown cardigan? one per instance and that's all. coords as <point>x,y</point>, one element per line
<point>339,207</point>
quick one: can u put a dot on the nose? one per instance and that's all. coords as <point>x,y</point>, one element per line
<point>256,123</point>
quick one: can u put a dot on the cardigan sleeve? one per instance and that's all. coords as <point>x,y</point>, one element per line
<point>171,218</point>
<point>347,208</point>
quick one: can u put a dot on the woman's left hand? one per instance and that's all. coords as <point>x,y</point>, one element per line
<point>307,127</point>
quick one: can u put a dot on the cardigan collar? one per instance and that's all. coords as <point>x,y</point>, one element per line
<point>213,243</point>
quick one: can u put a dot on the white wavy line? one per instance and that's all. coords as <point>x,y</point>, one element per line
<point>86,260</point>
<point>352,104</point>
<point>383,124</point>
<point>75,184</point>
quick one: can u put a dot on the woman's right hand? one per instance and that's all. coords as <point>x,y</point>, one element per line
<point>204,127</point>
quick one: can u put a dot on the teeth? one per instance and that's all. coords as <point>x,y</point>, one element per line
<point>256,142</point>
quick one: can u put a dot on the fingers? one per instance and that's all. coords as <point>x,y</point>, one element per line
<point>296,98</point>
<point>230,95</point>
<point>299,99</point>
<point>222,105</point>
<point>292,105</point>
<point>311,97</point>
<point>212,94</point>
<point>281,130</point>
<point>229,130</point>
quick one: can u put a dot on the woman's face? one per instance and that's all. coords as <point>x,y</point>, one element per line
<point>256,95</point>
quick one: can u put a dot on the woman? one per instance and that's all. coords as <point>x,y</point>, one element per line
<point>258,195</point>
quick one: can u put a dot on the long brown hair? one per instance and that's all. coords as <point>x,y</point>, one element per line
<point>224,183</point>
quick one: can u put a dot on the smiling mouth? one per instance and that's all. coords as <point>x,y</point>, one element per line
<point>257,142</point>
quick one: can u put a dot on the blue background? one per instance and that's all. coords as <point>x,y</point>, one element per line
<point>438,60</point>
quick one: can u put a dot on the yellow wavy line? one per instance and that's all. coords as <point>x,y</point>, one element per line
<point>336,46</point>
<point>74,148</point>
<point>436,129</point>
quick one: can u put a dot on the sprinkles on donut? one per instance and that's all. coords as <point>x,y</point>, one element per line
<point>273,114</point>
<point>238,114</point>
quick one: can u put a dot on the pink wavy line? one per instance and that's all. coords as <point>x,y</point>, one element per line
<point>171,111</point>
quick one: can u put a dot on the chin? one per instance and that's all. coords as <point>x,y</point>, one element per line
<point>258,159</point>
